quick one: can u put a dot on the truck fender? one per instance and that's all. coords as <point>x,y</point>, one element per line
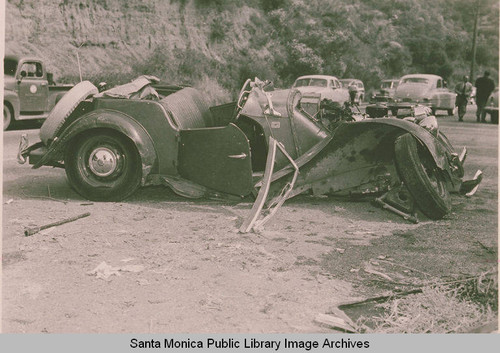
<point>12,99</point>
<point>107,119</point>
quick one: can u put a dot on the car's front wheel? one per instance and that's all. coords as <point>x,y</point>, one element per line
<point>422,178</point>
<point>104,166</point>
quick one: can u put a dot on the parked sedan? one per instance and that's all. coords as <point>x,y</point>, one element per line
<point>428,90</point>
<point>328,87</point>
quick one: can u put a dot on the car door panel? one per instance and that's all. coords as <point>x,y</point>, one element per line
<point>217,158</point>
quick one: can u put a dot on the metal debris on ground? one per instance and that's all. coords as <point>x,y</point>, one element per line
<point>31,231</point>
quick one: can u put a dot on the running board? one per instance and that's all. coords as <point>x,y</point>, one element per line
<point>32,117</point>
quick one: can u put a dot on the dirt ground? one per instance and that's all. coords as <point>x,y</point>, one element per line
<point>160,263</point>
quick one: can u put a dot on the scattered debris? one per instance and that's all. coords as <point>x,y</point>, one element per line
<point>132,268</point>
<point>9,201</point>
<point>370,270</point>
<point>143,282</point>
<point>104,271</point>
<point>31,231</point>
<point>335,323</point>
<point>354,270</point>
<point>340,251</point>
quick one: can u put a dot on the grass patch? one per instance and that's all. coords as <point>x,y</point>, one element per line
<point>451,308</point>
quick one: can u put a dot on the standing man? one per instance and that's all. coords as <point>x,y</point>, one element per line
<point>353,92</point>
<point>484,87</point>
<point>463,91</point>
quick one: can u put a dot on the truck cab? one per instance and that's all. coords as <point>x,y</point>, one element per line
<point>27,93</point>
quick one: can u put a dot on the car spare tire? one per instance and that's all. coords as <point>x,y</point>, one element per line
<point>421,176</point>
<point>63,109</point>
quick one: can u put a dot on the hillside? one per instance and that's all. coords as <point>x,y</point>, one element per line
<point>216,44</point>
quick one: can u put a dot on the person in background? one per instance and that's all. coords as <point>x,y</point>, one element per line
<point>353,91</point>
<point>463,91</point>
<point>484,87</point>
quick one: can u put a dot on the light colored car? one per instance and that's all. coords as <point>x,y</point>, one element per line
<point>360,96</point>
<point>428,90</point>
<point>329,87</point>
<point>492,106</point>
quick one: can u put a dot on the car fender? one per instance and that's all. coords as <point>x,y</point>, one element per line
<point>107,119</point>
<point>438,149</point>
<point>12,99</point>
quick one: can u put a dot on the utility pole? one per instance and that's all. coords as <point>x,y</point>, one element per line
<point>474,37</point>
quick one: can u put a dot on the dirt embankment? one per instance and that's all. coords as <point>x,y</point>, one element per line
<point>112,35</point>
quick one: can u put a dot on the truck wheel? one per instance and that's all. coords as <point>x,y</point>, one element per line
<point>7,116</point>
<point>104,166</point>
<point>63,109</point>
<point>422,178</point>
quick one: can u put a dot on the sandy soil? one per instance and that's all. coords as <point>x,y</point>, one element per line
<point>160,263</point>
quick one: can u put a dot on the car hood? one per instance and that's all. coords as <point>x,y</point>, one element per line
<point>312,89</point>
<point>412,91</point>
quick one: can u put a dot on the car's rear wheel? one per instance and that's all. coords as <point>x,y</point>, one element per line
<point>105,166</point>
<point>7,116</point>
<point>422,178</point>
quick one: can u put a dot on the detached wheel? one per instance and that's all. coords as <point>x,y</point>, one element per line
<point>422,178</point>
<point>7,117</point>
<point>103,167</point>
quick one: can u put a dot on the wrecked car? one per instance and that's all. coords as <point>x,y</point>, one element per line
<point>264,144</point>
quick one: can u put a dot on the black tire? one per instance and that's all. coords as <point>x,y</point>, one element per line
<point>494,117</point>
<point>422,178</point>
<point>7,116</point>
<point>103,166</point>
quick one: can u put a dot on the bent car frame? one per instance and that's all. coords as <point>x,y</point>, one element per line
<point>263,144</point>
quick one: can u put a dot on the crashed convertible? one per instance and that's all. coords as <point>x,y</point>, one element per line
<point>265,144</point>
